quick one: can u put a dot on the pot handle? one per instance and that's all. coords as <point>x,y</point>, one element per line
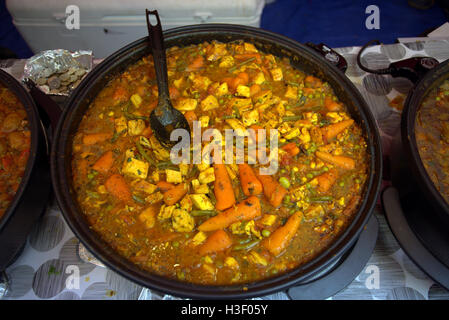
<point>44,103</point>
<point>4,284</point>
<point>330,55</point>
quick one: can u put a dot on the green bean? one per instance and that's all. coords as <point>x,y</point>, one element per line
<point>241,64</point>
<point>246,246</point>
<point>167,165</point>
<point>92,194</point>
<point>145,155</point>
<point>321,199</point>
<point>131,116</point>
<point>138,199</point>
<point>117,135</point>
<point>201,213</point>
<point>291,118</point>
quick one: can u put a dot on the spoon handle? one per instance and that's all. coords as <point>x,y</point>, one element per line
<point>158,50</point>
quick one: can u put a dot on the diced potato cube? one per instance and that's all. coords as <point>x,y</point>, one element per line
<point>230,262</point>
<point>155,176</point>
<point>202,188</point>
<point>268,219</point>
<point>243,91</point>
<point>173,176</point>
<point>195,183</point>
<point>305,136</point>
<point>136,127</point>
<point>201,201</point>
<point>219,50</point>
<point>148,216</point>
<point>238,126</point>
<point>186,104</point>
<point>184,169</point>
<point>135,168</point>
<point>178,82</point>
<point>154,198</point>
<point>201,82</point>
<point>186,203</point>
<point>203,166</point>
<point>292,134</point>
<point>145,186</point>
<point>166,212</point>
<point>240,103</point>
<point>207,176</point>
<point>121,125</point>
<point>182,221</point>
<point>291,92</point>
<point>136,100</point>
<point>250,117</point>
<point>263,96</point>
<point>259,78</point>
<point>226,62</point>
<point>276,74</point>
<point>249,47</point>
<point>199,238</point>
<point>204,121</point>
<point>222,89</point>
<point>209,103</point>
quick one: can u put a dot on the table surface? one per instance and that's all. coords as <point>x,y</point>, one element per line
<point>53,255</point>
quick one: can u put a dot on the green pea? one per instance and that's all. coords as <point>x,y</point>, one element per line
<point>284,182</point>
<point>266,233</point>
<point>309,176</point>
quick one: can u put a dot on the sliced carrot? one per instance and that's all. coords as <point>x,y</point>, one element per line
<point>250,184</point>
<point>340,161</point>
<point>246,210</point>
<point>332,105</point>
<point>241,79</point>
<point>104,163</point>
<point>93,138</point>
<point>224,193</point>
<point>291,148</point>
<point>246,56</point>
<point>217,241</point>
<point>272,190</point>
<point>326,180</point>
<point>147,132</point>
<point>120,94</point>
<point>196,64</point>
<point>254,89</point>
<point>313,82</point>
<point>278,241</point>
<point>175,194</point>
<point>173,92</point>
<point>332,130</point>
<point>117,187</point>
<point>164,186</point>
<point>190,117</point>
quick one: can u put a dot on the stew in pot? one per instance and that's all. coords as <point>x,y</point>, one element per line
<point>432,137</point>
<point>220,223</point>
<point>14,146</point>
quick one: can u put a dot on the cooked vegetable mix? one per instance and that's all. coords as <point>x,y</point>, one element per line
<point>220,223</point>
<point>14,146</point>
<point>432,137</point>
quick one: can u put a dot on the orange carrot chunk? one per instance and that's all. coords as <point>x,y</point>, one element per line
<point>326,180</point>
<point>272,190</point>
<point>246,210</point>
<point>332,130</point>
<point>224,193</point>
<point>175,194</point>
<point>104,163</point>
<point>117,187</point>
<point>164,186</point>
<point>250,184</point>
<point>217,241</point>
<point>278,241</point>
<point>93,138</point>
<point>340,161</point>
<point>331,105</point>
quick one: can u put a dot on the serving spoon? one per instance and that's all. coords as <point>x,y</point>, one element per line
<point>164,118</point>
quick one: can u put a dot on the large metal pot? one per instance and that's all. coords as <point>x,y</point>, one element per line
<point>33,193</point>
<point>301,57</point>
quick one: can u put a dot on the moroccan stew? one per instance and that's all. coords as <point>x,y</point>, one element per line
<point>14,146</point>
<point>217,223</point>
<point>432,137</point>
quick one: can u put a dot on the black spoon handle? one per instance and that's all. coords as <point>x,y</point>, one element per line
<point>158,50</point>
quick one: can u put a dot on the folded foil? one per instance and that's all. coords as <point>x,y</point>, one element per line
<point>58,71</point>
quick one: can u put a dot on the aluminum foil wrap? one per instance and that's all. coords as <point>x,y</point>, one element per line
<point>58,71</point>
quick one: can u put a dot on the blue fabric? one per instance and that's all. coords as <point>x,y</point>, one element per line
<point>336,23</point>
<point>9,36</point>
<point>342,23</point>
